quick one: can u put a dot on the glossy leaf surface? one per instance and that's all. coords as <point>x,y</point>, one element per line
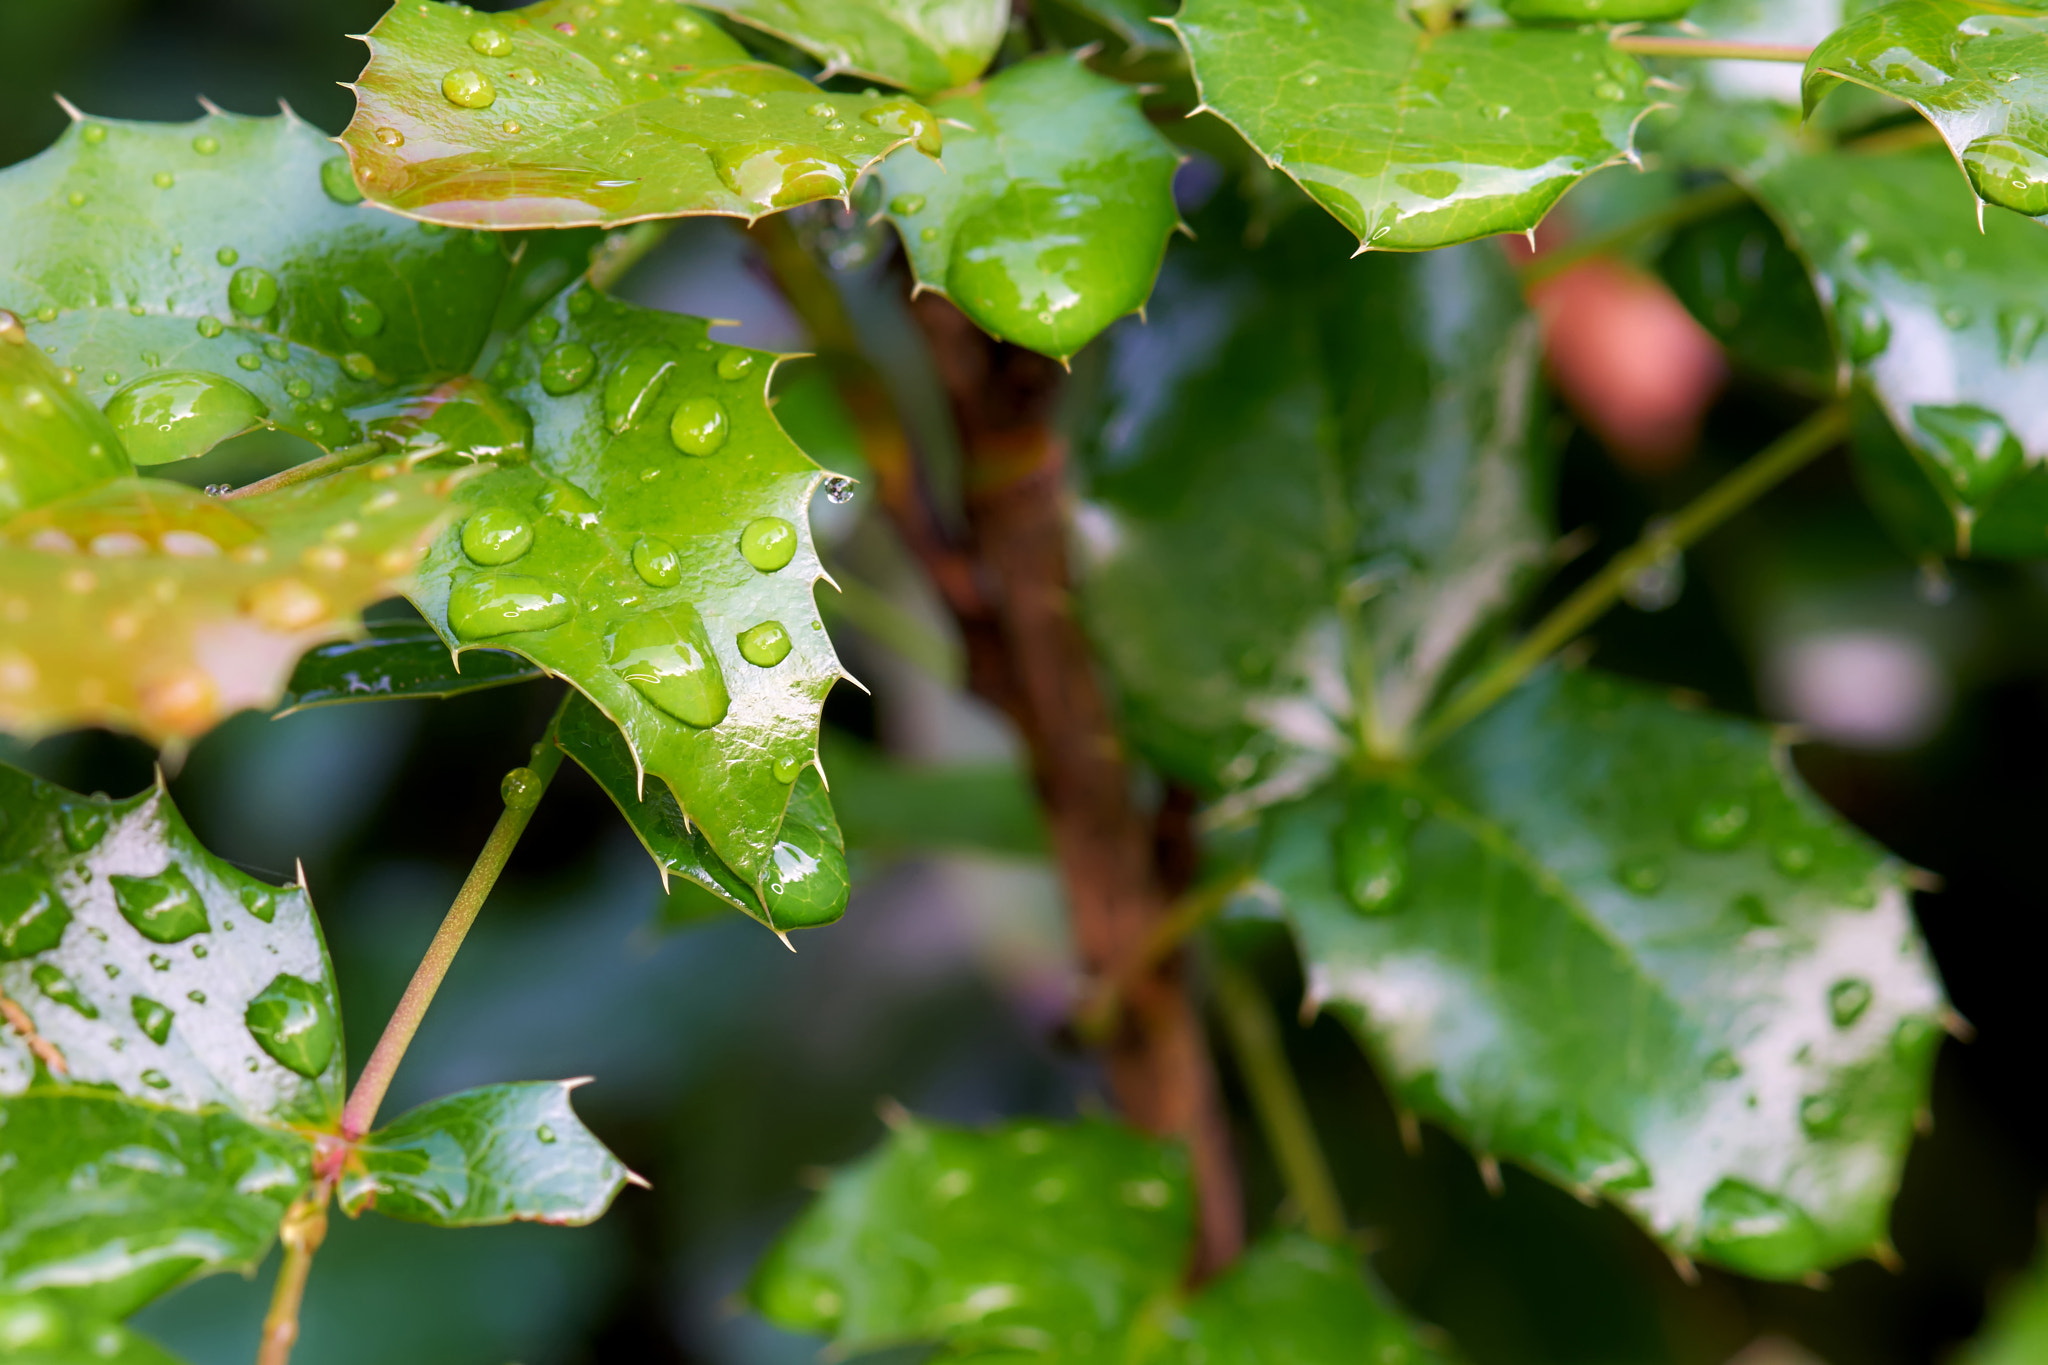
<point>397,661</point>
<point>1618,943</point>
<point>560,114</point>
<point>1596,11</point>
<point>920,45</point>
<point>1050,217</point>
<point>1415,140</point>
<point>1735,274</point>
<point>1291,1300</point>
<point>663,518</point>
<point>40,1329</point>
<point>1943,323</point>
<point>52,442</point>
<point>1334,493</point>
<point>499,1154</point>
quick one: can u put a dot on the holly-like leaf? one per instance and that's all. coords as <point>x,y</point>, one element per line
<point>1735,273</point>
<point>656,553</point>
<point>499,1154</point>
<point>1942,323</point>
<point>919,45</point>
<point>1976,71</point>
<point>1291,1298</point>
<point>1296,526</point>
<point>561,113</point>
<point>1415,140</point>
<point>42,1329</point>
<point>397,660</point>
<point>1618,943</point>
<point>52,443</point>
<point>1130,20</point>
<point>1050,217</point>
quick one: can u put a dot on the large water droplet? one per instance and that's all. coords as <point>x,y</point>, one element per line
<point>699,426</point>
<point>570,504</point>
<point>468,88</point>
<point>807,881</point>
<point>360,316</point>
<point>905,119</point>
<point>786,768</point>
<point>152,1018</point>
<point>567,368</point>
<point>735,364</point>
<point>260,901</point>
<point>768,543</point>
<point>779,175</point>
<point>181,413</point>
<point>657,562</point>
<point>1866,329</point>
<point>252,291</point>
<point>521,789</point>
<point>1974,447</point>
<point>765,645</point>
<point>165,908</point>
<point>83,826</point>
<point>634,385</point>
<point>491,42</point>
<point>1718,824</point>
<point>1758,1233</point>
<point>32,915</point>
<point>1372,852</point>
<point>2010,172</point>
<point>496,535</point>
<point>291,1020</point>
<point>1847,999</point>
<point>668,660</point>
<point>907,205</point>
<point>505,604</point>
<point>339,181</point>
<point>54,984</point>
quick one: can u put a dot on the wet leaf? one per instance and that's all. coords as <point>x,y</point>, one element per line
<point>1619,944</point>
<point>1291,1298</point>
<point>1942,324</point>
<point>499,1154</point>
<point>1130,20</point>
<point>1595,11</point>
<point>2017,1333</point>
<point>1337,482</point>
<point>556,114</point>
<point>656,553</point>
<point>920,45</point>
<point>394,661</point>
<point>42,1329</point>
<point>1050,217</point>
<point>1415,141</point>
<point>1736,275</point>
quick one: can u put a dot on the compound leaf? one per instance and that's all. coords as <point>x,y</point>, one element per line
<point>558,114</point>
<point>1415,140</point>
<point>1618,943</point>
<point>41,1329</point>
<point>1050,217</point>
<point>498,1154</point>
<point>397,660</point>
<point>919,45</point>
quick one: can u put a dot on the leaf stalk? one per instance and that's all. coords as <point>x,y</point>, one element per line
<point>1709,49</point>
<point>303,1230</point>
<point>333,462</point>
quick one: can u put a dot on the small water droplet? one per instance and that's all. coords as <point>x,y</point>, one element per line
<point>1820,1115</point>
<point>545,1134</point>
<point>155,1080</point>
<point>32,915</point>
<point>360,316</point>
<point>285,605</point>
<point>657,562</point>
<point>1974,447</point>
<point>2011,172</point>
<point>56,986</point>
<point>1641,876</point>
<point>764,645</point>
<point>83,827</point>
<point>2019,331</point>
<point>907,120</point>
<point>227,255</point>
<point>491,42</point>
<point>699,426</point>
<point>356,365</point>
<point>76,199</point>
<point>505,604</point>
<point>163,180</point>
<point>735,364</point>
<point>252,292</point>
<point>567,368</point>
<point>94,134</point>
<point>787,767</point>
<point>165,908</point>
<point>152,1018</point>
<point>196,997</point>
<point>581,303</point>
<point>292,1021</point>
<point>838,490</point>
<point>544,329</point>
<point>496,535</point>
<point>391,137</point>
<point>208,327</point>
<point>1793,857</point>
<point>206,144</point>
<point>277,350</point>
<point>521,789</point>
<point>907,205</point>
<point>1722,1066</point>
<point>159,962</point>
<point>634,385</point>
<point>250,361</point>
<point>1372,852</point>
<point>259,901</point>
<point>1847,999</point>
<point>668,660</point>
<point>1718,824</point>
<point>768,543</point>
<point>469,89</point>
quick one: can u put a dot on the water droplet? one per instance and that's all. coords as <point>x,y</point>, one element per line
<point>838,490</point>
<point>1641,876</point>
<point>285,604</point>
<point>634,385</point>
<point>544,329</point>
<point>787,767</point>
<point>1722,1066</point>
<point>250,361</point>
<point>253,291</point>
<point>165,908</point>
<point>699,426</point>
<point>521,789</point>
<point>570,503</point>
<point>391,137</point>
<point>206,144</point>
<point>1820,1115</point>
<point>360,316</point>
<point>94,134</point>
<point>259,901</point>
<point>84,826</point>
<point>1793,857</point>
<point>768,543</point>
<point>1847,999</point>
<point>908,120</point>
<point>2019,331</point>
<point>657,562</point>
<point>55,985</point>
<point>1758,1233</point>
<point>2011,172</point>
<point>1974,447</point>
<point>496,535</point>
<point>765,645</point>
<point>469,89</point>
<point>567,368</point>
<point>292,1021</point>
<point>356,365</point>
<point>491,42</point>
<point>196,997</point>
<point>209,327</point>
<point>907,205</point>
<point>1657,586</point>
<point>1372,852</point>
<point>668,660</point>
<point>780,175</point>
<point>163,180</point>
<point>544,1134</point>
<point>153,1019</point>
<point>32,915</point>
<point>227,255</point>
<point>735,364</point>
<point>505,604</point>
<point>76,199</point>
<point>277,350</point>
<point>581,303</point>
<point>1718,824</point>
<point>155,1080</point>
<point>808,882</point>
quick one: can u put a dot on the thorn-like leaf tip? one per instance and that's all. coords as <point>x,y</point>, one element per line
<point>894,1114</point>
<point>71,110</point>
<point>784,936</point>
<point>1687,1271</point>
<point>1489,1175</point>
<point>634,1177</point>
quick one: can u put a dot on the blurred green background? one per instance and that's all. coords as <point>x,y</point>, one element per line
<point>729,1071</point>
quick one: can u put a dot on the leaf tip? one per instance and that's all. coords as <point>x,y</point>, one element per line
<point>71,111</point>
<point>213,110</point>
<point>1687,1271</point>
<point>637,1180</point>
<point>784,936</point>
<point>894,1115</point>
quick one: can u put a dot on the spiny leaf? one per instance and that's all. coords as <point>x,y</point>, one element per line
<point>1618,943</point>
<point>561,113</point>
<point>499,1154</point>
<point>656,554</point>
<point>1293,1299</point>
<point>1735,273</point>
<point>397,660</point>
<point>1977,71</point>
<point>1051,214</point>
<point>1130,20</point>
<point>919,45</point>
<point>1414,140</point>
<point>41,1329</point>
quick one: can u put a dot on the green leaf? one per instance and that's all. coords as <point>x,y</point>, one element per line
<point>1942,323</point>
<point>52,442</point>
<point>499,1154</point>
<point>1295,528</point>
<point>893,807</point>
<point>556,114</point>
<point>1735,273</point>
<point>920,45</point>
<point>1130,20</point>
<point>1050,217</point>
<point>1618,943</point>
<point>396,660</point>
<point>663,518</point>
<point>1976,71</point>
<point>1291,1300</point>
<point>1415,140</point>
<point>1602,11</point>
<point>43,1329</point>
<point>2018,1331</point>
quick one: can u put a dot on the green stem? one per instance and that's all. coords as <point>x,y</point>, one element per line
<point>626,248</point>
<point>361,1109</point>
<point>1772,466</point>
<point>1690,208</point>
<point>1704,49</point>
<point>1254,1034</point>
<point>303,1229</point>
<point>331,463</point>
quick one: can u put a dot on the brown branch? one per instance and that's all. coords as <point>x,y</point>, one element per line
<point>46,1051</point>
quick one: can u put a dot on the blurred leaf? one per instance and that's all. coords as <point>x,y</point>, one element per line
<point>1050,217</point>
<point>1415,141</point>
<point>549,116</point>
<point>397,660</point>
<point>1602,11</point>
<point>499,1154</point>
<point>1130,20</point>
<point>1291,1300</point>
<point>888,806</point>
<point>1619,943</point>
<point>920,45</point>
<point>1735,274</point>
<point>2018,1331</point>
<point>52,442</point>
<point>43,1329</point>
